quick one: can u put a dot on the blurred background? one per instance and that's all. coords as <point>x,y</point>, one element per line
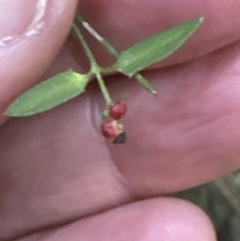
<point>221,201</point>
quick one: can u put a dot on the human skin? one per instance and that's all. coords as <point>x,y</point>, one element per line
<point>60,180</point>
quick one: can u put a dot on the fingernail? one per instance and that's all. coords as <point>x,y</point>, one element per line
<point>19,17</point>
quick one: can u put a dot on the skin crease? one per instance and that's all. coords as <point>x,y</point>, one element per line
<point>55,168</point>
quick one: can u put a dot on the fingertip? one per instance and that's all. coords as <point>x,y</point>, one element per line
<point>157,219</point>
<point>29,53</point>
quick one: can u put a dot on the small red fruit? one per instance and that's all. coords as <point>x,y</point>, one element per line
<point>118,110</point>
<point>111,129</point>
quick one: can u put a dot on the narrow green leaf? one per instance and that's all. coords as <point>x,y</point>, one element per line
<point>145,83</point>
<point>155,48</point>
<point>49,94</point>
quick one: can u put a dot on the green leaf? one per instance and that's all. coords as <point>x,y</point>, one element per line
<point>155,48</point>
<point>48,94</point>
<point>145,83</point>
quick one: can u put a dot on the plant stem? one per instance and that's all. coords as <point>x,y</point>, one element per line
<point>86,48</point>
<point>104,89</point>
<point>97,36</point>
<point>95,68</point>
<point>143,81</point>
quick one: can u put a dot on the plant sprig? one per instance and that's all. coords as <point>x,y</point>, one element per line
<point>111,50</point>
<point>69,84</point>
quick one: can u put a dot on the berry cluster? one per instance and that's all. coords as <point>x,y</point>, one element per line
<point>111,128</point>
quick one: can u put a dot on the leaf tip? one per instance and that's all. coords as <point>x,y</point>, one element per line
<point>154,92</point>
<point>7,113</point>
<point>201,19</point>
<point>10,113</point>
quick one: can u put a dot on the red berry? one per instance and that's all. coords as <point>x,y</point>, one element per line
<point>111,129</point>
<point>118,110</point>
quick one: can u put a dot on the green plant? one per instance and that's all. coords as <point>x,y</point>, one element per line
<point>69,84</point>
